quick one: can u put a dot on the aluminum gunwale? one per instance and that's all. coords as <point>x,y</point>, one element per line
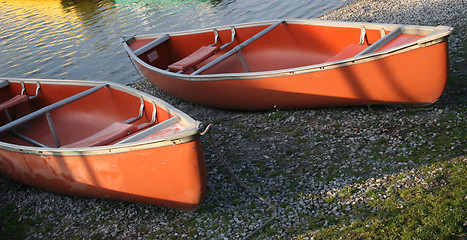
<point>192,132</point>
<point>434,35</point>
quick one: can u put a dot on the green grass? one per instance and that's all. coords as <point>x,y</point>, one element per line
<point>275,115</point>
<point>346,192</point>
<point>330,200</point>
<point>11,226</point>
<point>419,212</point>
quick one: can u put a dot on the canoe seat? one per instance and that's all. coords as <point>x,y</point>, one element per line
<point>194,59</point>
<point>13,101</point>
<point>348,52</point>
<point>18,98</point>
<point>108,135</point>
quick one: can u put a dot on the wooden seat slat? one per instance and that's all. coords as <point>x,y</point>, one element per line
<point>348,52</point>
<point>194,59</point>
<point>108,135</point>
<point>13,101</point>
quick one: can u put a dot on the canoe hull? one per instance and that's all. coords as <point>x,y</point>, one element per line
<point>411,69</point>
<point>416,77</point>
<point>162,164</point>
<point>171,176</point>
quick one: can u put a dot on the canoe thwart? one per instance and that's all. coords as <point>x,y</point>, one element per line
<point>360,49</point>
<point>237,48</point>
<point>151,45</point>
<point>4,83</point>
<point>381,42</point>
<point>49,108</point>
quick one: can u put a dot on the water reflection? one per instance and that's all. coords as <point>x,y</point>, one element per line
<point>78,39</point>
<point>165,2</point>
<point>86,10</point>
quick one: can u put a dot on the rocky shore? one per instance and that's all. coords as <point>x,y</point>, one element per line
<point>296,159</point>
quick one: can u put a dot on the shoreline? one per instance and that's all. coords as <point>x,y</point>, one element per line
<point>294,158</point>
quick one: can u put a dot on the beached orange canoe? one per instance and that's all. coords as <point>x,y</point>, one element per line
<point>101,140</point>
<point>297,64</point>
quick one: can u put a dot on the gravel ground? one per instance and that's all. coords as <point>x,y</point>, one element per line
<point>296,159</point>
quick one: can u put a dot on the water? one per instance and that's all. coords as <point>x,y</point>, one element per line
<point>79,39</point>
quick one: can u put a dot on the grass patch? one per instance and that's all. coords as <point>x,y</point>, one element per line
<point>372,193</point>
<point>437,211</point>
<point>275,115</point>
<point>347,192</point>
<point>11,226</point>
<point>330,200</point>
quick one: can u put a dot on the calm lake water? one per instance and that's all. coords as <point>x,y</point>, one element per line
<point>79,39</point>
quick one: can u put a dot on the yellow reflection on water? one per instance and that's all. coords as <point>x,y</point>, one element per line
<point>47,10</point>
<point>50,7</point>
<point>57,10</point>
<point>48,37</point>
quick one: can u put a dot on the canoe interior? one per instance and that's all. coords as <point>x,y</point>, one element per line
<point>74,121</point>
<point>287,46</point>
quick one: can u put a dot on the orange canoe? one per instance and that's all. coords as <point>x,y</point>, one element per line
<point>101,140</point>
<point>297,64</point>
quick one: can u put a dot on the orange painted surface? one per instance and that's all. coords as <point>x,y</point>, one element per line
<point>146,171</point>
<point>282,72</point>
<point>172,176</point>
